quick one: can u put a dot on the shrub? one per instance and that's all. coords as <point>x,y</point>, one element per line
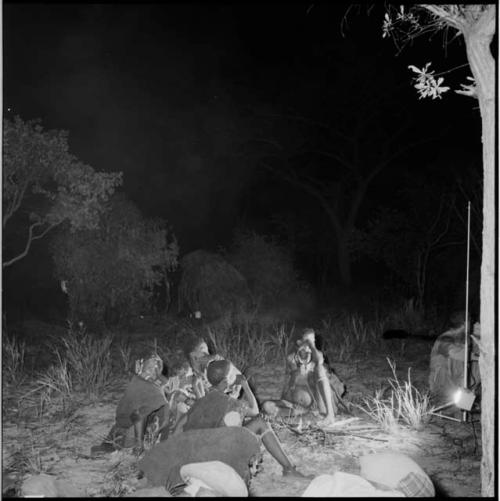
<point>405,404</point>
<point>13,360</point>
<point>114,268</point>
<point>211,284</point>
<point>88,360</point>
<point>56,383</point>
<point>242,340</point>
<point>350,334</point>
<point>266,265</point>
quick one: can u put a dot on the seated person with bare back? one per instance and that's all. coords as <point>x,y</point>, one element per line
<point>217,409</point>
<point>310,385</point>
<point>143,406</point>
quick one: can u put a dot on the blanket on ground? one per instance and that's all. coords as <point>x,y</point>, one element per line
<point>235,446</point>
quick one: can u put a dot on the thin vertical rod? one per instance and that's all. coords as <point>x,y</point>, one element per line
<point>466,344</point>
<point>466,353</point>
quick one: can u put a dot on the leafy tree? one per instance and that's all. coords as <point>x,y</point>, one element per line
<point>115,267</point>
<point>45,185</point>
<point>476,24</point>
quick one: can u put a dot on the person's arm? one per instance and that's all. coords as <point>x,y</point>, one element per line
<point>180,425</point>
<point>322,376</point>
<point>317,356</point>
<point>290,377</point>
<point>253,407</point>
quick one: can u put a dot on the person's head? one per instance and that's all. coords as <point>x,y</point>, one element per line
<point>304,354</point>
<point>195,346</point>
<point>150,367</point>
<point>219,371</point>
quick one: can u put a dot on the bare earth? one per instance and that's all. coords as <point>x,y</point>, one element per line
<point>449,452</point>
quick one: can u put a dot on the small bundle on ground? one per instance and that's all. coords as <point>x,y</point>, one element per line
<point>211,285</point>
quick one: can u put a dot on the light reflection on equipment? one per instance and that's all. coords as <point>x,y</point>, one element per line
<point>463,399</point>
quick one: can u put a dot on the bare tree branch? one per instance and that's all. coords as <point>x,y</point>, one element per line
<point>30,240</point>
<point>15,204</point>
<point>441,12</point>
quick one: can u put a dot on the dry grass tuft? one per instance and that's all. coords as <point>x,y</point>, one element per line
<point>13,361</point>
<point>405,404</point>
<point>88,361</point>
<point>351,334</point>
<point>243,340</point>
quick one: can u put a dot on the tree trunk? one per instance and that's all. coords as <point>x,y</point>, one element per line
<point>483,69</point>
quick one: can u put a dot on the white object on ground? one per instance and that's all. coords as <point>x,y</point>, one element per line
<point>390,468</point>
<point>44,485</point>
<point>215,476</point>
<point>343,484</point>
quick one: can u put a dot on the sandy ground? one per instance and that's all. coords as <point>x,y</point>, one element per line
<point>449,452</point>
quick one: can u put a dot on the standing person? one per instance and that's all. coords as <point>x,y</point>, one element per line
<point>217,409</point>
<point>309,386</point>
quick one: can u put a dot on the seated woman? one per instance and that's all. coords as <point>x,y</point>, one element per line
<point>146,408</point>
<point>218,409</point>
<point>310,385</point>
<point>199,358</point>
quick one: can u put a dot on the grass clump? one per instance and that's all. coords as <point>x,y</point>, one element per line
<point>13,360</point>
<point>405,405</point>
<point>350,335</point>
<point>242,340</point>
<point>88,360</point>
<point>56,385</point>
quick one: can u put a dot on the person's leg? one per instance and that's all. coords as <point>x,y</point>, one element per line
<point>272,445</point>
<point>325,392</point>
<point>282,408</point>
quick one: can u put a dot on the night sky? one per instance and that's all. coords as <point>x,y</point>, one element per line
<point>174,96</point>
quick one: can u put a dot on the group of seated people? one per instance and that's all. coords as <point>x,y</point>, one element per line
<point>208,391</point>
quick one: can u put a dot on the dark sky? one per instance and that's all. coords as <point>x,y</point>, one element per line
<point>168,94</point>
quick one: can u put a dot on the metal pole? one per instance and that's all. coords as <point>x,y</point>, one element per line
<point>466,344</point>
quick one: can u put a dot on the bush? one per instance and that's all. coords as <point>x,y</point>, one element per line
<point>350,335</point>
<point>13,360</point>
<point>115,268</point>
<point>88,360</point>
<point>266,265</point>
<point>241,339</point>
<point>405,404</point>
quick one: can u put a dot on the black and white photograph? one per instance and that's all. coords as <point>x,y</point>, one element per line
<point>249,249</point>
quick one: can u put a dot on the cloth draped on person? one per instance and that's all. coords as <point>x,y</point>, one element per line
<point>211,410</point>
<point>235,446</point>
<point>142,398</point>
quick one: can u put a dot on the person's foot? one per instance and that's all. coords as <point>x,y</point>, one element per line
<point>326,422</point>
<point>101,450</point>
<point>270,408</point>
<point>292,472</point>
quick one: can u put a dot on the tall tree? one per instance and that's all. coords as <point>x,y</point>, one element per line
<point>45,185</point>
<point>476,24</point>
<point>338,139</point>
